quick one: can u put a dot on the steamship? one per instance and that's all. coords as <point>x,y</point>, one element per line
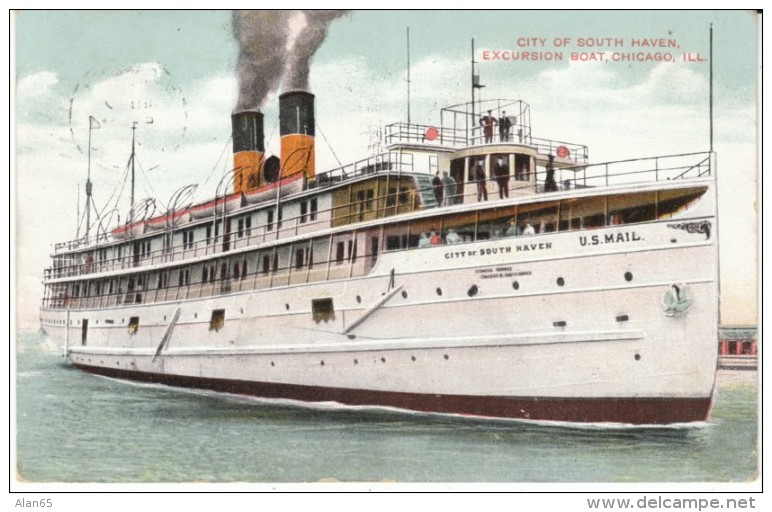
<point>460,271</point>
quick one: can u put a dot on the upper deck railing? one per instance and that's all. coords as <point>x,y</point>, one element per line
<point>384,162</point>
<point>464,125</point>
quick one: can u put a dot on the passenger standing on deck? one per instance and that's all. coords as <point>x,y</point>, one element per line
<point>423,240</point>
<point>512,229</point>
<point>549,181</point>
<point>505,123</point>
<point>488,122</point>
<point>452,237</point>
<point>501,172</point>
<point>434,238</point>
<point>449,189</point>
<point>481,179</point>
<point>528,230</point>
<point>437,184</point>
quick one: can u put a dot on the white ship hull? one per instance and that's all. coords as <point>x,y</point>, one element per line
<point>566,326</point>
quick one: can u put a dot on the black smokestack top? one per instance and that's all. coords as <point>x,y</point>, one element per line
<point>248,131</point>
<point>276,46</point>
<point>296,113</point>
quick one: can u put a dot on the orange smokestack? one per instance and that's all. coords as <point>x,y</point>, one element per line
<point>248,150</point>
<point>297,129</point>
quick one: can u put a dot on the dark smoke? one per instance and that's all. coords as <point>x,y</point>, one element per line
<point>265,59</point>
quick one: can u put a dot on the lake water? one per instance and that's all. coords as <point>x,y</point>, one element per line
<point>75,427</point>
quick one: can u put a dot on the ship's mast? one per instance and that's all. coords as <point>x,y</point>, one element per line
<point>131,206</point>
<point>92,125</point>
<point>408,75</point>
<point>711,87</point>
<point>475,85</point>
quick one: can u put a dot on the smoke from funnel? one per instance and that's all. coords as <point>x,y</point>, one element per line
<point>276,46</point>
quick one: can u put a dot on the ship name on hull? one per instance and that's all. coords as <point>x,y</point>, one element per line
<point>491,251</point>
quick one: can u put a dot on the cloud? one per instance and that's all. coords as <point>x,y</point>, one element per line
<point>38,85</point>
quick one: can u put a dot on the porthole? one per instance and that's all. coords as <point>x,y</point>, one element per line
<point>412,358</point>
<point>559,323</point>
<point>286,306</point>
<point>356,361</point>
<point>359,299</point>
<point>628,276</point>
<point>195,315</point>
<point>473,290</point>
<point>404,294</point>
<point>561,281</point>
<point>322,363</point>
<point>637,357</point>
<point>446,357</point>
<point>439,291</point>
<point>622,318</point>
<point>383,359</point>
<point>272,364</point>
<point>515,285</point>
<point>242,311</point>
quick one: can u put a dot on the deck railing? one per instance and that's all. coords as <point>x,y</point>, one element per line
<point>642,170</point>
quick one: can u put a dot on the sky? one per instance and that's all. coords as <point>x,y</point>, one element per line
<point>173,74</point>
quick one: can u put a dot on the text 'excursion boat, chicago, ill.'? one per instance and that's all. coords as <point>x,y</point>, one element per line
<point>471,268</point>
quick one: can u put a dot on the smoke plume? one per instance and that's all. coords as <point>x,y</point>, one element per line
<point>276,47</point>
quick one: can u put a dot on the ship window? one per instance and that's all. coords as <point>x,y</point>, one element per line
<point>269,222</point>
<point>299,257</point>
<point>392,242</point>
<point>352,250</point>
<point>184,277</point>
<point>248,225</point>
<point>322,310</point>
<point>314,208</point>
<point>275,262</point>
<point>187,239</point>
<point>391,198</point>
<point>266,263</point>
<point>593,221</point>
<point>403,195</point>
<point>217,321</point>
<point>241,228</point>
<point>303,211</point>
<point>133,325</point>
<point>339,252</point>
<point>369,199</point>
<point>204,274</point>
<point>236,269</point>
<point>208,234</point>
<point>167,242</point>
<point>244,269</point>
<point>281,215</point>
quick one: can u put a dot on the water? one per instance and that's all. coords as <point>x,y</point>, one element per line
<point>75,427</point>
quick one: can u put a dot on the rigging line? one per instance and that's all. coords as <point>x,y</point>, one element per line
<point>273,132</point>
<point>116,189</point>
<point>328,144</point>
<point>217,163</point>
<point>148,183</point>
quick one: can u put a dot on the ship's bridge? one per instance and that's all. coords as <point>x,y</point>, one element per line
<point>481,124</point>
